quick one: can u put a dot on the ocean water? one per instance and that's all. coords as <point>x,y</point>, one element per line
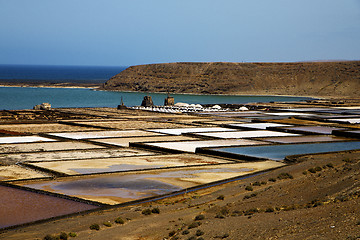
<point>13,98</point>
<point>58,74</point>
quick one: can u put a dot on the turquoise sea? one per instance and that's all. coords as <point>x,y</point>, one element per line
<point>13,98</point>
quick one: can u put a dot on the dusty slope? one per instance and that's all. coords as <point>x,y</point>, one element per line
<point>301,78</point>
<point>320,205</point>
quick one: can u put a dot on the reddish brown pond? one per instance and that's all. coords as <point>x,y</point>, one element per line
<point>20,206</point>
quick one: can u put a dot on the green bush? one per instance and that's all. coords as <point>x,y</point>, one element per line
<point>251,211</point>
<point>256,184</point>
<point>146,211</point>
<point>119,220</point>
<point>185,232</point>
<point>107,224</point>
<point>172,233</point>
<point>330,165</point>
<point>318,169</point>
<point>199,217</point>
<point>219,215</point>
<point>156,210</point>
<point>72,234</point>
<point>221,197</point>
<point>312,170</point>
<point>51,237</point>
<point>285,176</point>
<point>269,209</point>
<point>194,225</point>
<point>63,236</point>
<point>224,211</point>
<point>249,188</point>
<point>236,213</point>
<point>95,226</point>
<point>199,232</point>
<point>272,180</point>
<point>246,197</point>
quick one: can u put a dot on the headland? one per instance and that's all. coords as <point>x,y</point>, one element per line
<point>319,79</point>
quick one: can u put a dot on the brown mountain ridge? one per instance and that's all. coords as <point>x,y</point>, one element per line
<point>322,79</point>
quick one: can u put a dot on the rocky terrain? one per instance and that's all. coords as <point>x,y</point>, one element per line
<point>322,79</point>
<point>315,198</point>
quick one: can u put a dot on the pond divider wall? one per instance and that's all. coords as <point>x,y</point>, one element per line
<point>346,133</point>
<point>58,195</point>
<point>41,169</point>
<point>154,148</point>
<point>88,141</point>
<point>200,137</point>
<point>84,125</point>
<point>211,151</point>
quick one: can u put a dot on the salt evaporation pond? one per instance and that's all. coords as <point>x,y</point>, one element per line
<point>279,152</point>
<point>123,187</point>
<point>347,120</point>
<point>191,146</point>
<point>245,134</point>
<point>127,163</point>
<point>104,134</point>
<point>306,139</point>
<point>36,128</point>
<point>20,206</point>
<point>70,155</point>
<point>24,139</point>
<point>124,142</point>
<point>313,129</point>
<point>179,131</point>
<point>45,146</point>
<point>257,125</point>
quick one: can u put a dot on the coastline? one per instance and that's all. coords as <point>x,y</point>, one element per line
<point>89,86</point>
<point>223,94</point>
<point>97,87</point>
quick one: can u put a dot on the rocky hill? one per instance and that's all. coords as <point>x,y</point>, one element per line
<point>330,79</point>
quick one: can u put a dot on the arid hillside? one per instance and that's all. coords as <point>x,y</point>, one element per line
<point>334,79</point>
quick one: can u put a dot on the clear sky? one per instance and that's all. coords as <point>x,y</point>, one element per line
<point>132,32</point>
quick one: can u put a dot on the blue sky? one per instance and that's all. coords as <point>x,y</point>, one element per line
<point>132,32</point>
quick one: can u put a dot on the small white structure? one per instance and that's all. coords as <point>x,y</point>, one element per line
<point>216,107</point>
<point>180,104</point>
<point>43,106</point>
<point>243,108</point>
